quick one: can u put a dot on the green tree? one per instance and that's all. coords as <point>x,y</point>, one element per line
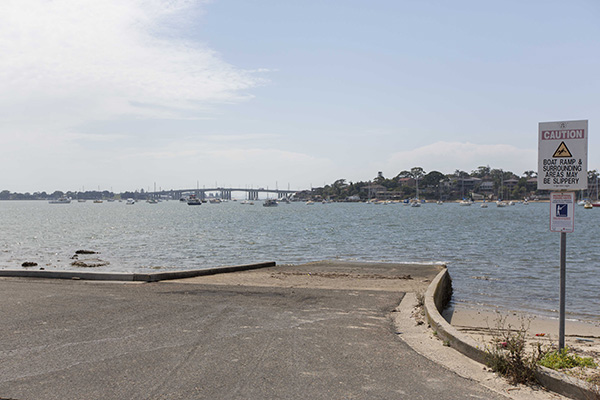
<point>481,171</point>
<point>433,178</point>
<point>461,174</point>
<point>417,173</point>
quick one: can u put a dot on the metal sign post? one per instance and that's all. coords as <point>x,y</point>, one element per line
<point>562,165</point>
<point>562,219</point>
<point>563,290</point>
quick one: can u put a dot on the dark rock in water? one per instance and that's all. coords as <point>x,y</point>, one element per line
<point>29,264</point>
<point>90,263</point>
<point>85,252</point>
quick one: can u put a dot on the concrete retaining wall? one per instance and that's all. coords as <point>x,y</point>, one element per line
<point>131,277</point>
<point>436,299</point>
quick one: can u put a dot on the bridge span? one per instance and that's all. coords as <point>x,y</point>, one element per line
<point>224,193</point>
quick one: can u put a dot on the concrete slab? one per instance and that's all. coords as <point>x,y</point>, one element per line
<point>181,340</point>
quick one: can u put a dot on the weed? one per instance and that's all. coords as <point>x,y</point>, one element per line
<point>561,359</point>
<point>420,299</point>
<point>507,353</point>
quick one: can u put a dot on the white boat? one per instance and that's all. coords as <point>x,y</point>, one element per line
<point>415,202</point>
<point>501,203</point>
<point>484,204</point>
<point>193,200</point>
<point>130,201</point>
<point>60,200</point>
<point>465,203</point>
<point>214,201</point>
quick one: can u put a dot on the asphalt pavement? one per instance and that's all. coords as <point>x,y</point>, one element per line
<point>180,340</point>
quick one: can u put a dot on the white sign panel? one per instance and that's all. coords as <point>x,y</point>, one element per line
<point>562,212</point>
<point>562,155</point>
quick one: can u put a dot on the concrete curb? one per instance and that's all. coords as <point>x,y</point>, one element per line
<point>129,277</point>
<point>437,297</point>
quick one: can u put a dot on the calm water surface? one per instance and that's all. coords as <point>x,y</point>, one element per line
<point>500,257</point>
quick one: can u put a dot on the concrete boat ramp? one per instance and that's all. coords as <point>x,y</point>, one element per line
<point>321,330</point>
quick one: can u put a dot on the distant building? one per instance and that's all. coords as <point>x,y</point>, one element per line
<point>510,184</point>
<point>486,187</point>
<point>407,182</point>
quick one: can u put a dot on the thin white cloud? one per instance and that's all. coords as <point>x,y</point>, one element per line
<point>70,61</point>
<point>446,157</point>
<point>242,138</point>
<point>67,64</point>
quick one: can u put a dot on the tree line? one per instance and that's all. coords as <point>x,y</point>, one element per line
<point>88,195</point>
<point>435,185</point>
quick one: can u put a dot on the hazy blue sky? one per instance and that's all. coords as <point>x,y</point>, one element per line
<point>121,94</point>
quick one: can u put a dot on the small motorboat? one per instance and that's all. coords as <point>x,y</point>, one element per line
<point>270,203</point>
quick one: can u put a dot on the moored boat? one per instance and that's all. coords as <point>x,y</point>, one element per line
<point>60,200</point>
<point>270,203</point>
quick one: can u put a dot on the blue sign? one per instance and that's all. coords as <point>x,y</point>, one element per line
<point>562,210</point>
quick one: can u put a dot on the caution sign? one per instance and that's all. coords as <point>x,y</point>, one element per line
<point>562,155</point>
<point>562,151</point>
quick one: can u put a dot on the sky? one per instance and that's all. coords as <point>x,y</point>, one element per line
<point>124,95</point>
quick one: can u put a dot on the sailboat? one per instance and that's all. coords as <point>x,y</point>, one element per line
<point>500,202</point>
<point>416,202</point>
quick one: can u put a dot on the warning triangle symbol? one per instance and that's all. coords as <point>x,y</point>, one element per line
<point>562,151</point>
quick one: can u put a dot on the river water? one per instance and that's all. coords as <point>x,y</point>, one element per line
<point>497,257</point>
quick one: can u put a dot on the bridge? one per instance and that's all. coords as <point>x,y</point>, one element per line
<point>225,193</point>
